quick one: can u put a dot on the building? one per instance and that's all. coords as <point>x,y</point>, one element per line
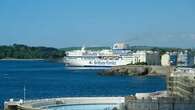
<point>181,83</point>
<point>185,59</point>
<point>148,57</point>
<point>173,58</point>
<point>153,58</point>
<point>169,59</point>
<point>180,94</point>
<point>161,103</point>
<point>165,59</point>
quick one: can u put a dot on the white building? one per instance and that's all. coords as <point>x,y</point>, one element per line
<point>165,59</point>
<point>185,59</point>
<point>148,57</point>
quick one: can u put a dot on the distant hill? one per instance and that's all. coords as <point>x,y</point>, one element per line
<point>162,50</point>
<point>153,48</point>
<point>20,51</point>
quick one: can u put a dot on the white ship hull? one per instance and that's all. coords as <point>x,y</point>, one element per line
<point>95,62</point>
<point>100,58</point>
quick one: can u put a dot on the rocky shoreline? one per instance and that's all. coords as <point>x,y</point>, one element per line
<point>137,70</point>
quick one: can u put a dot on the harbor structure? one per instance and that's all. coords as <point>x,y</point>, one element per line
<point>181,83</point>
<point>158,103</point>
<point>180,94</point>
<point>50,104</point>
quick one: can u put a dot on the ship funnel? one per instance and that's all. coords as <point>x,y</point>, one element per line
<point>120,46</point>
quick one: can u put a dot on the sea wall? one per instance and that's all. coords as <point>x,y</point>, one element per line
<point>138,70</point>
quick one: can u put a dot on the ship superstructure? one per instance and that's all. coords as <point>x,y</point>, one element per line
<point>116,56</point>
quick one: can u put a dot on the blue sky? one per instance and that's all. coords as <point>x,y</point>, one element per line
<point>64,23</point>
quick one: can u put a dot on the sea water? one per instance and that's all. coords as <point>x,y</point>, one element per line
<point>44,79</point>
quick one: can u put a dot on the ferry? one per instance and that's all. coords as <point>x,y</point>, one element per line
<point>116,56</point>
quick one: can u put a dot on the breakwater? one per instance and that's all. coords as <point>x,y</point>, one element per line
<point>132,70</point>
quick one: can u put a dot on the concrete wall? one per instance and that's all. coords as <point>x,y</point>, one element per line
<point>160,104</point>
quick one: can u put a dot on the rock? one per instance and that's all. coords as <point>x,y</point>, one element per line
<point>138,70</point>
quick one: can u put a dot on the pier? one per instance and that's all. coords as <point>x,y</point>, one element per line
<point>42,104</point>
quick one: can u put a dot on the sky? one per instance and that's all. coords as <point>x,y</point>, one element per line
<point>69,23</point>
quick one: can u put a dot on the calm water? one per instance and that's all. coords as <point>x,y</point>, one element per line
<point>47,79</point>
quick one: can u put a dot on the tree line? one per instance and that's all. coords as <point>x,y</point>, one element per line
<point>19,51</point>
